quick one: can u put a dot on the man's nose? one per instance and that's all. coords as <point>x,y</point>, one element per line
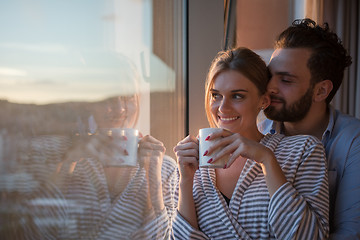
<point>272,87</point>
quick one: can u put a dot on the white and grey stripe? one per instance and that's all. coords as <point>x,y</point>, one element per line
<point>84,205</point>
<point>298,210</point>
<point>126,217</point>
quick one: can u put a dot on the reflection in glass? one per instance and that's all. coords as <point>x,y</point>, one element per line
<point>69,75</point>
<point>66,184</point>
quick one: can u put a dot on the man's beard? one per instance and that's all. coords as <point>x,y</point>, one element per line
<point>295,112</point>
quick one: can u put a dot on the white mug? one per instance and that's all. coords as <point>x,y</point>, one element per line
<point>127,139</point>
<point>204,145</point>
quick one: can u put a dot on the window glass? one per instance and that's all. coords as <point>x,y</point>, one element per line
<point>79,79</point>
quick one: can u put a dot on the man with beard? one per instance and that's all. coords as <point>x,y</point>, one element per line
<point>306,69</point>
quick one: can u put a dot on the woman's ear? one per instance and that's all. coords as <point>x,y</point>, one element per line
<point>265,102</point>
<point>322,90</point>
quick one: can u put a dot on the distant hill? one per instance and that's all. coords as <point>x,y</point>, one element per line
<point>32,119</point>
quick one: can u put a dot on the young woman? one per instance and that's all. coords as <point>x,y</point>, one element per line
<point>272,187</point>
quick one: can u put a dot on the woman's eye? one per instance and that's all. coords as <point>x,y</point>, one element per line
<point>238,96</point>
<point>215,96</point>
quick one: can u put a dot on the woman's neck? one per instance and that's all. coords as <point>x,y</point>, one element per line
<point>254,135</point>
<point>117,179</point>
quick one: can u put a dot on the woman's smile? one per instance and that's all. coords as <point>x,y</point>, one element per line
<point>228,119</point>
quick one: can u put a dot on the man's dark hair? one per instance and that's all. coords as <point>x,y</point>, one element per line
<point>329,58</point>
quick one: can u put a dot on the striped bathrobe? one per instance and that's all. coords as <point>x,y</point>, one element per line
<point>80,206</point>
<point>92,215</point>
<point>297,210</point>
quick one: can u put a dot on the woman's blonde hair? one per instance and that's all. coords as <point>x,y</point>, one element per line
<point>240,59</point>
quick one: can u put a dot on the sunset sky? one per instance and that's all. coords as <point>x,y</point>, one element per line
<point>56,51</point>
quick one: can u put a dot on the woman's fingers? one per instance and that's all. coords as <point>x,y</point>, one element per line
<point>221,143</point>
<point>150,149</point>
<point>191,152</point>
<point>187,155</point>
<point>217,134</point>
<point>150,143</point>
<point>227,144</point>
<point>187,143</point>
<point>235,155</point>
<point>229,151</point>
<point>150,139</point>
<point>189,139</point>
<point>187,148</point>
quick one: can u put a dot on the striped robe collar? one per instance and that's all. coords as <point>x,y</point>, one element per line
<point>250,171</point>
<point>109,210</point>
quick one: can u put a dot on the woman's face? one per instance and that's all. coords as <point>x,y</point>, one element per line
<point>235,102</point>
<point>117,112</point>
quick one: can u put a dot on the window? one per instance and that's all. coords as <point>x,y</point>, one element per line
<point>69,72</point>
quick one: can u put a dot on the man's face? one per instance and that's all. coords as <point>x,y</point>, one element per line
<point>290,87</point>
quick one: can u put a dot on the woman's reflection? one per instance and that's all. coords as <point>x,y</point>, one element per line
<point>95,197</point>
<point>108,201</point>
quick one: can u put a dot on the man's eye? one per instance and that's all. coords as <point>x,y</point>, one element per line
<point>286,81</point>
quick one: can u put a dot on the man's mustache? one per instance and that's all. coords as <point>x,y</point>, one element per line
<point>278,99</point>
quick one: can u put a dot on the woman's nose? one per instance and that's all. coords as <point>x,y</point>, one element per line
<point>225,105</point>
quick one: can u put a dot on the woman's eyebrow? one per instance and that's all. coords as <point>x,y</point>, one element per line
<point>235,90</point>
<point>239,90</point>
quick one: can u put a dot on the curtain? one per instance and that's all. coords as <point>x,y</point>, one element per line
<point>342,17</point>
<point>314,9</point>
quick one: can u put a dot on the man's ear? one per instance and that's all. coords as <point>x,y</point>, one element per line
<point>322,90</point>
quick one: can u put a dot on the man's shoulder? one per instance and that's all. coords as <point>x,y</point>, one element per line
<point>346,124</point>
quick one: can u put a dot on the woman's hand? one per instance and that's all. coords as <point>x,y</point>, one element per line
<point>150,154</point>
<point>235,145</point>
<point>187,154</point>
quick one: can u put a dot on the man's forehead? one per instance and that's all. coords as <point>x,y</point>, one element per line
<point>290,58</point>
<point>291,62</point>
<point>275,53</point>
